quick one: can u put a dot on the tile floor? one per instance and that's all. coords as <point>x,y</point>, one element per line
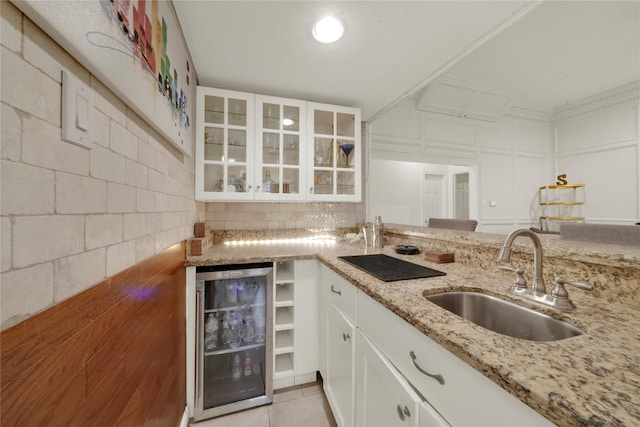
<point>302,406</point>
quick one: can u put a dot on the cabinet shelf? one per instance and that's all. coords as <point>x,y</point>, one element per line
<point>227,349</point>
<point>284,320</point>
<point>283,296</point>
<point>284,366</point>
<point>231,307</point>
<point>284,343</point>
<point>284,272</point>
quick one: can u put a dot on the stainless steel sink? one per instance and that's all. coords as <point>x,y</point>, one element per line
<point>504,317</point>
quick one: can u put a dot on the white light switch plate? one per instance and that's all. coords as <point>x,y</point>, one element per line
<point>77,105</point>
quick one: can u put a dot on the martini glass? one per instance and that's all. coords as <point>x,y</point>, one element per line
<point>347,149</point>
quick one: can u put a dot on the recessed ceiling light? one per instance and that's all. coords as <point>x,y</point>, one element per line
<point>328,30</point>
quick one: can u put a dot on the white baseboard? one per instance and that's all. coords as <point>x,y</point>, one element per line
<point>184,422</point>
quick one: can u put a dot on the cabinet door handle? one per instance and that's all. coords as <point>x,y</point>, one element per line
<point>403,413</point>
<point>310,190</point>
<point>346,336</point>
<point>336,291</point>
<point>436,377</point>
<point>248,188</point>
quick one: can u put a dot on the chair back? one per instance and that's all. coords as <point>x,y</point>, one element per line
<point>453,224</point>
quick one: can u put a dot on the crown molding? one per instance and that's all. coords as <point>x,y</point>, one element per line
<point>628,94</point>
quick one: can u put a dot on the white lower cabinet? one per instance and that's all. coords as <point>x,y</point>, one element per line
<point>384,398</point>
<point>340,380</point>
<point>379,370</point>
<point>338,314</point>
<point>458,393</point>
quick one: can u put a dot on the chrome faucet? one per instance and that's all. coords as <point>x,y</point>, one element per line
<point>537,287</point>
<point>559,297</point>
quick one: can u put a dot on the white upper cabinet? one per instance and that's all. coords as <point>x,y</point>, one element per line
<point>255,147</point>
<point>334,172</point>
<point>224,145</point>
<point>281,127</point>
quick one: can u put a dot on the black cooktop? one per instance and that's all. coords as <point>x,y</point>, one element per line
<point>390,269</point>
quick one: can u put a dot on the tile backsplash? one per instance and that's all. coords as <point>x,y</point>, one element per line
<point>276,216</point>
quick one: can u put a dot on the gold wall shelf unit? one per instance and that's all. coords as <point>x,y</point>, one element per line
<point>560,203</point>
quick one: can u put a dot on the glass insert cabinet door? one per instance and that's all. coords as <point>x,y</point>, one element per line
<point>334,153</point>
<point>280,148</point>
<point>224,149</point>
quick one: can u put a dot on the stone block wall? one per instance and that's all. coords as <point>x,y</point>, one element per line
<point>70,216</point>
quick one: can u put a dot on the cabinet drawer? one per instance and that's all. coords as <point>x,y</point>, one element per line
<point>340,293</point>
<point>386,398</point>
<point>461,395</point>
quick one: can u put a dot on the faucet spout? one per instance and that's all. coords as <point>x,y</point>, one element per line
<point>537,287</point>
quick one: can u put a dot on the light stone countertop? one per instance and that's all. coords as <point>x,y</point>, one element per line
<point>592,379</point>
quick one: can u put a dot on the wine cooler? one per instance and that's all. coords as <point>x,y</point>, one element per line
<point>234,338</point>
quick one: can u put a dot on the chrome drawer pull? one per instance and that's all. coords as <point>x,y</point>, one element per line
<point>400,413</point>
<point>403,414</point>
<point>336,291</point>
<point>436,377</point>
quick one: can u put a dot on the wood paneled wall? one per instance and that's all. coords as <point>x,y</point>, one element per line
<point>112,355</point>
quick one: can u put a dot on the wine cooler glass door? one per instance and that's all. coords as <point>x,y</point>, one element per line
<point>234,370</point>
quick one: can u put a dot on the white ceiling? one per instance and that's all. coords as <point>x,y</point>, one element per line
<point>561,52</point>
<point>547,54</point>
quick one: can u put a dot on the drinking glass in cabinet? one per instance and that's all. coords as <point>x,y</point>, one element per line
<point>291,118</point>
<point>346,148</point>
<point>237,112</point>
<point>323,122</point>
<point>323,150</point>
<point>271,116</point>
<point>237,145</point>
<point>323,182</point>
<point>237,179</point>
<point>214,109</point>
<point>291,153</point>
<point>271,148</point>
<point>213,178</point>
<point>213,143</point>
<point>346,182</point>
<point>346,124</point>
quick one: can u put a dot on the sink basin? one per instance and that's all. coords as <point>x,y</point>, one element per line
<point>504,317</point>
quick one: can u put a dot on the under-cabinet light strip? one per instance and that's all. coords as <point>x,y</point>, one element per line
<point>326,240</point>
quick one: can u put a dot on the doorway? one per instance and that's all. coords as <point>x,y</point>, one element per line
<point>434,197</point>
<point>461,196</point>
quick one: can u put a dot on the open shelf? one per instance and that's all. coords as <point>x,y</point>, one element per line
<point>284,342</point>
<point>284,366</point>
<point>284,272</point>
<point>284,295</point>
<point>284,319</point>
<point>560,203</point>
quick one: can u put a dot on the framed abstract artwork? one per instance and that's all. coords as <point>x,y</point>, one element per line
<point>136,49</point>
